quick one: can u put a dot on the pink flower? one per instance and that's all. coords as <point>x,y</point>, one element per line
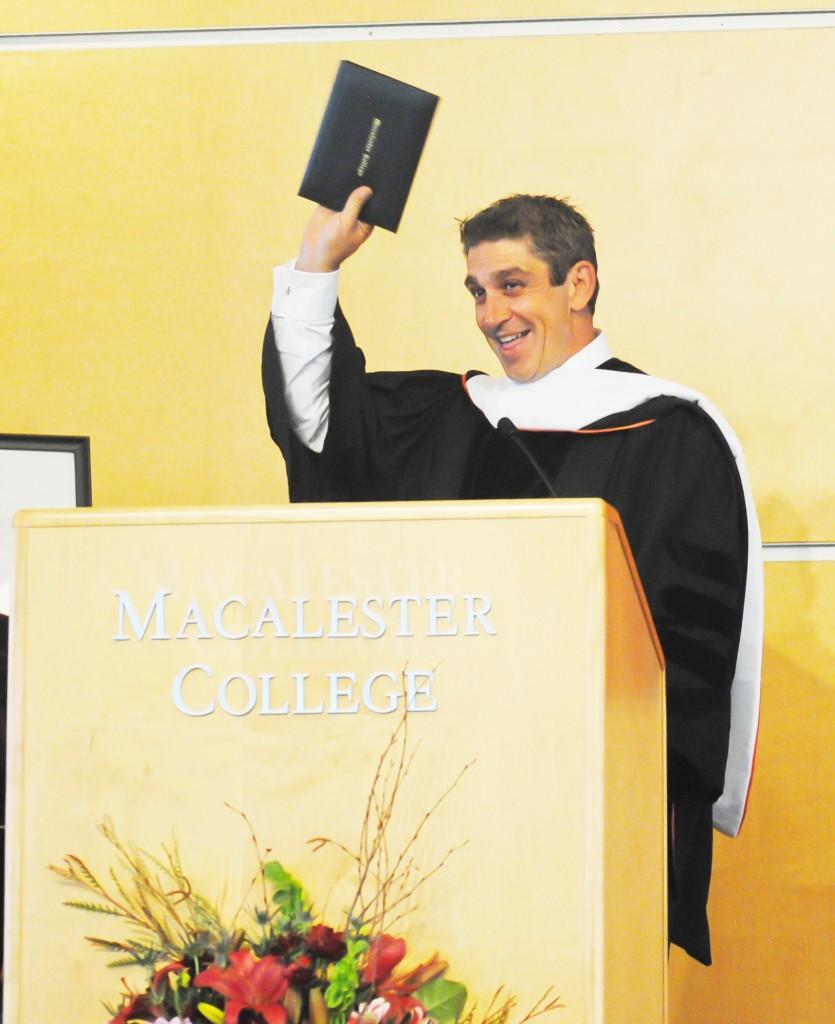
<point>374,1012</point>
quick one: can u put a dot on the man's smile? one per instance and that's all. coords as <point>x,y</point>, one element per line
<point>506,339</point>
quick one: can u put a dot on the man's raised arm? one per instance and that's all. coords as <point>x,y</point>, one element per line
<point>304,300</point>
<point>331,237</point>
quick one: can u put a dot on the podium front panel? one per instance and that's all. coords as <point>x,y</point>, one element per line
<point>168,664</point>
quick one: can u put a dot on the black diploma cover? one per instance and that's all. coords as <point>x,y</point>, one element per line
<point>372,133</point>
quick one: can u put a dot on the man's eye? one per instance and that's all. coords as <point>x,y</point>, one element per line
<point>510,286</point>
<point>476,293</point>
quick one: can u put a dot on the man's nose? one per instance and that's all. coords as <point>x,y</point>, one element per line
<point>494,311</point>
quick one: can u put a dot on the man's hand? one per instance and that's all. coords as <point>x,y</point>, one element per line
<point>330,237</point>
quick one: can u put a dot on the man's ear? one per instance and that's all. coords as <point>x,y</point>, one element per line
<point>582,280</point>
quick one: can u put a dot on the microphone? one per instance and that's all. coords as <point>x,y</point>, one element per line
<point>508,428</point>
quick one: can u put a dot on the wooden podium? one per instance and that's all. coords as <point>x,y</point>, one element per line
<point>165,663</point>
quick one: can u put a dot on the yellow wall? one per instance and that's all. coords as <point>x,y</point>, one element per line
<point>103,15</point>
<point>146,194</point>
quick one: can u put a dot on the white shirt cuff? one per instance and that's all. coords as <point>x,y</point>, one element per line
<point>299,295</point>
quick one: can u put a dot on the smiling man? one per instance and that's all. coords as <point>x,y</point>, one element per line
<point>534,290</point>
<point>566,419</point>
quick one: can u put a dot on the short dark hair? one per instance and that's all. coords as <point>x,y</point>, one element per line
<point>559,234</point>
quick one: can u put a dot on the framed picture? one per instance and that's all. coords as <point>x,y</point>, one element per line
<point>38,471</point>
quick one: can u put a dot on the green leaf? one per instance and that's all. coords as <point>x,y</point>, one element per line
<point>356,947</point>
<point>288,892</point>
<point>96,908</point>
<point>110,944</point>
<point>444,1000</point>
<point>344,982</point>
<point>211,1013</point>
<point>279,878</point>
<point>77,865</point>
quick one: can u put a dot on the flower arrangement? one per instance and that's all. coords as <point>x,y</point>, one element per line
<point>284,966</point>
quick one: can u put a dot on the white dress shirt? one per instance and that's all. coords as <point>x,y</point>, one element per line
<point>302,314</point>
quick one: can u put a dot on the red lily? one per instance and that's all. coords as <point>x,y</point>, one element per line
<point>385,954</point>
<point>398,991</point>
<point>163,972</point>
<point>136,1004</point>
<point>249,984</point>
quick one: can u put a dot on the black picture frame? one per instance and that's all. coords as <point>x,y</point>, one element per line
<point>78,446</point>
<point>33,478</point>
<point>36,445</point>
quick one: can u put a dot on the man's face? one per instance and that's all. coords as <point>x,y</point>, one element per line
<point>525,319</point>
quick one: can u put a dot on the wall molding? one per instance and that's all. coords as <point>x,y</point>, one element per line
<point>423,30</point>
<point>799,552</point>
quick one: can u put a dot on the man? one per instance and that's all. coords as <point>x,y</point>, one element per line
<point>588,425</point>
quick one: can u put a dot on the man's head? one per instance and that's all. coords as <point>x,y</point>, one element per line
<point>532,270</point>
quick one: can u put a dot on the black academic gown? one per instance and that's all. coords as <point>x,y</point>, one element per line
<point>417,435</point>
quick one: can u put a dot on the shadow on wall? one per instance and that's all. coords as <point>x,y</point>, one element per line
<point>782,522</point>
<point>773,898</point>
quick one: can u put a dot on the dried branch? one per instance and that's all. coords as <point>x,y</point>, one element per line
<point>387,882</point>
<point>259,857</point>
<point>159,905</point>
<point>500,1008</point>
